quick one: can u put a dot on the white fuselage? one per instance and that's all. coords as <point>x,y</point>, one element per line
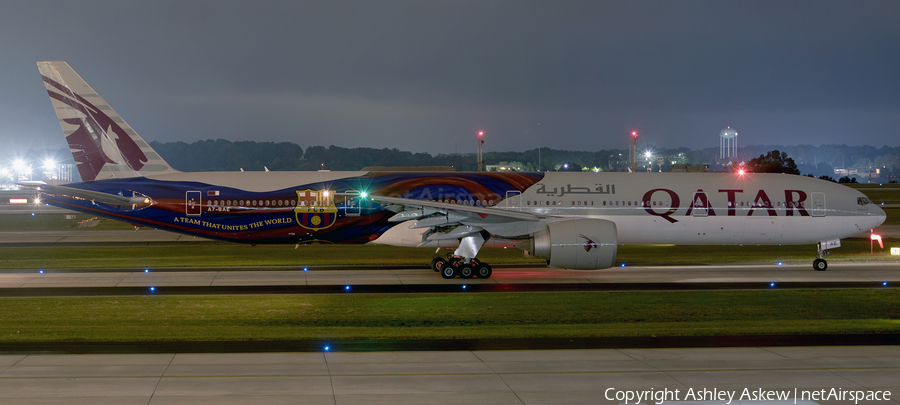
<point>691,208</point>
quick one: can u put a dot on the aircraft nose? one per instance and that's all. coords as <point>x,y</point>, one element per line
<point>880,215</point>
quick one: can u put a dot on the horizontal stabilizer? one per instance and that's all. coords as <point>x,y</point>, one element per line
<point>106,198</point>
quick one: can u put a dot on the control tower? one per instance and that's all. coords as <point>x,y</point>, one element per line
<point>727,143</point>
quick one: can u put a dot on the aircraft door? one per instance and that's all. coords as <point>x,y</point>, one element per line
<point>700,204</point>
<point>514,199</point>
<point>352,204</point>
<point>818,204</point>
<point>193,203</point>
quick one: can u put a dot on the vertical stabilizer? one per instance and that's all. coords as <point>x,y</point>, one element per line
<point>103,144</point>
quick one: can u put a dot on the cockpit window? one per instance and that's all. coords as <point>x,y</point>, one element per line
<point>863,201</point>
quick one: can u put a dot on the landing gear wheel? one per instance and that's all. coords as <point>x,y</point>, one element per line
<point>482,270</point>
<point>820,264</point>
<point>466,271</point>
<point>438,263</point>
<point>448,271</point>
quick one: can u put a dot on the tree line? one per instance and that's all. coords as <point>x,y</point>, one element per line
<point>214,155</point>
<point>225,155</point>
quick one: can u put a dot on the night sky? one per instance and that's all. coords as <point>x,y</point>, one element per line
<point>425,76</point>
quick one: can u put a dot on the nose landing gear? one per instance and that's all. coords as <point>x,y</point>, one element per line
<point>820,264</point>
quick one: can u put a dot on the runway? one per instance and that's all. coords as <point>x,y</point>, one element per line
<point>459,377</point>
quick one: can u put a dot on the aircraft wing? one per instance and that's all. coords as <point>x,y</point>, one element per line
<point>106,198</point>
<point>409,204</point>
<point>455,221</point>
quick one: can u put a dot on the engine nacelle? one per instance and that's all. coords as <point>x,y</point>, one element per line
<point>583,244</point>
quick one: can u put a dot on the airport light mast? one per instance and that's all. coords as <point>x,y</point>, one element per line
<point>480,147</point>
<point>632,150</point>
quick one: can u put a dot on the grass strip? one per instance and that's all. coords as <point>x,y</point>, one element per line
<point>441,316</point>
<point>213,255</point>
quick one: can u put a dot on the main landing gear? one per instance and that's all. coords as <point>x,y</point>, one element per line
<point>462,262</point>
<point>452,266</point>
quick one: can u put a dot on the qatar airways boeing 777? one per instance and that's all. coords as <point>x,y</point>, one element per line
<point>573,220</point>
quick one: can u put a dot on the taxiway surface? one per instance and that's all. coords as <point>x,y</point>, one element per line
<point>838,272</point>
<point>458,377</point>
<point>147,235</point>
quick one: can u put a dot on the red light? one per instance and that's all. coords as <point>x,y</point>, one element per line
<point>480,133</point>
<point>633,133</point>
<point>741,172</point>
<point>875,237</point>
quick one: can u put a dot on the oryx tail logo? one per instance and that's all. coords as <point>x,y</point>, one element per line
<point>315,210</point>
<point>589,244</point>
<point>95,130</point>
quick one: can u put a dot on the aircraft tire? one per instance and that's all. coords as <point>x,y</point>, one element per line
<point>448,271</point>
<point>482,270</point>
<point>820,265</point>
<point>466,271</point>
<point>438,263</point>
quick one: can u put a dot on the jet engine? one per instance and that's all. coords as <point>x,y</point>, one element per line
<point>583,244</point>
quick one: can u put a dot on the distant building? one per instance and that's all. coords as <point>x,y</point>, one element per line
<point>407,169</point>
<point>690,168</point>
<point>503,167</point>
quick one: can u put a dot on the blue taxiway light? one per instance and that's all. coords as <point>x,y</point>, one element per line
<point>779,263</point>
<point>152,288</point>
<point>464,286</point>
<point>623,264</point>
<point>772,285</point>
<point>42,272</point>
<point>146,270</point>
<point>884,283</point>
<point>327,348</point>
<point>347,287</point>
<point>304,269</point>
<point>32,214</point>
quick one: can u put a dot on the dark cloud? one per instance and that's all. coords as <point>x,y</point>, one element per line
<point>425,75</point>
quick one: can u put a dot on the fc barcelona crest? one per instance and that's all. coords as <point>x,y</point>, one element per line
<point>315,209</point>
